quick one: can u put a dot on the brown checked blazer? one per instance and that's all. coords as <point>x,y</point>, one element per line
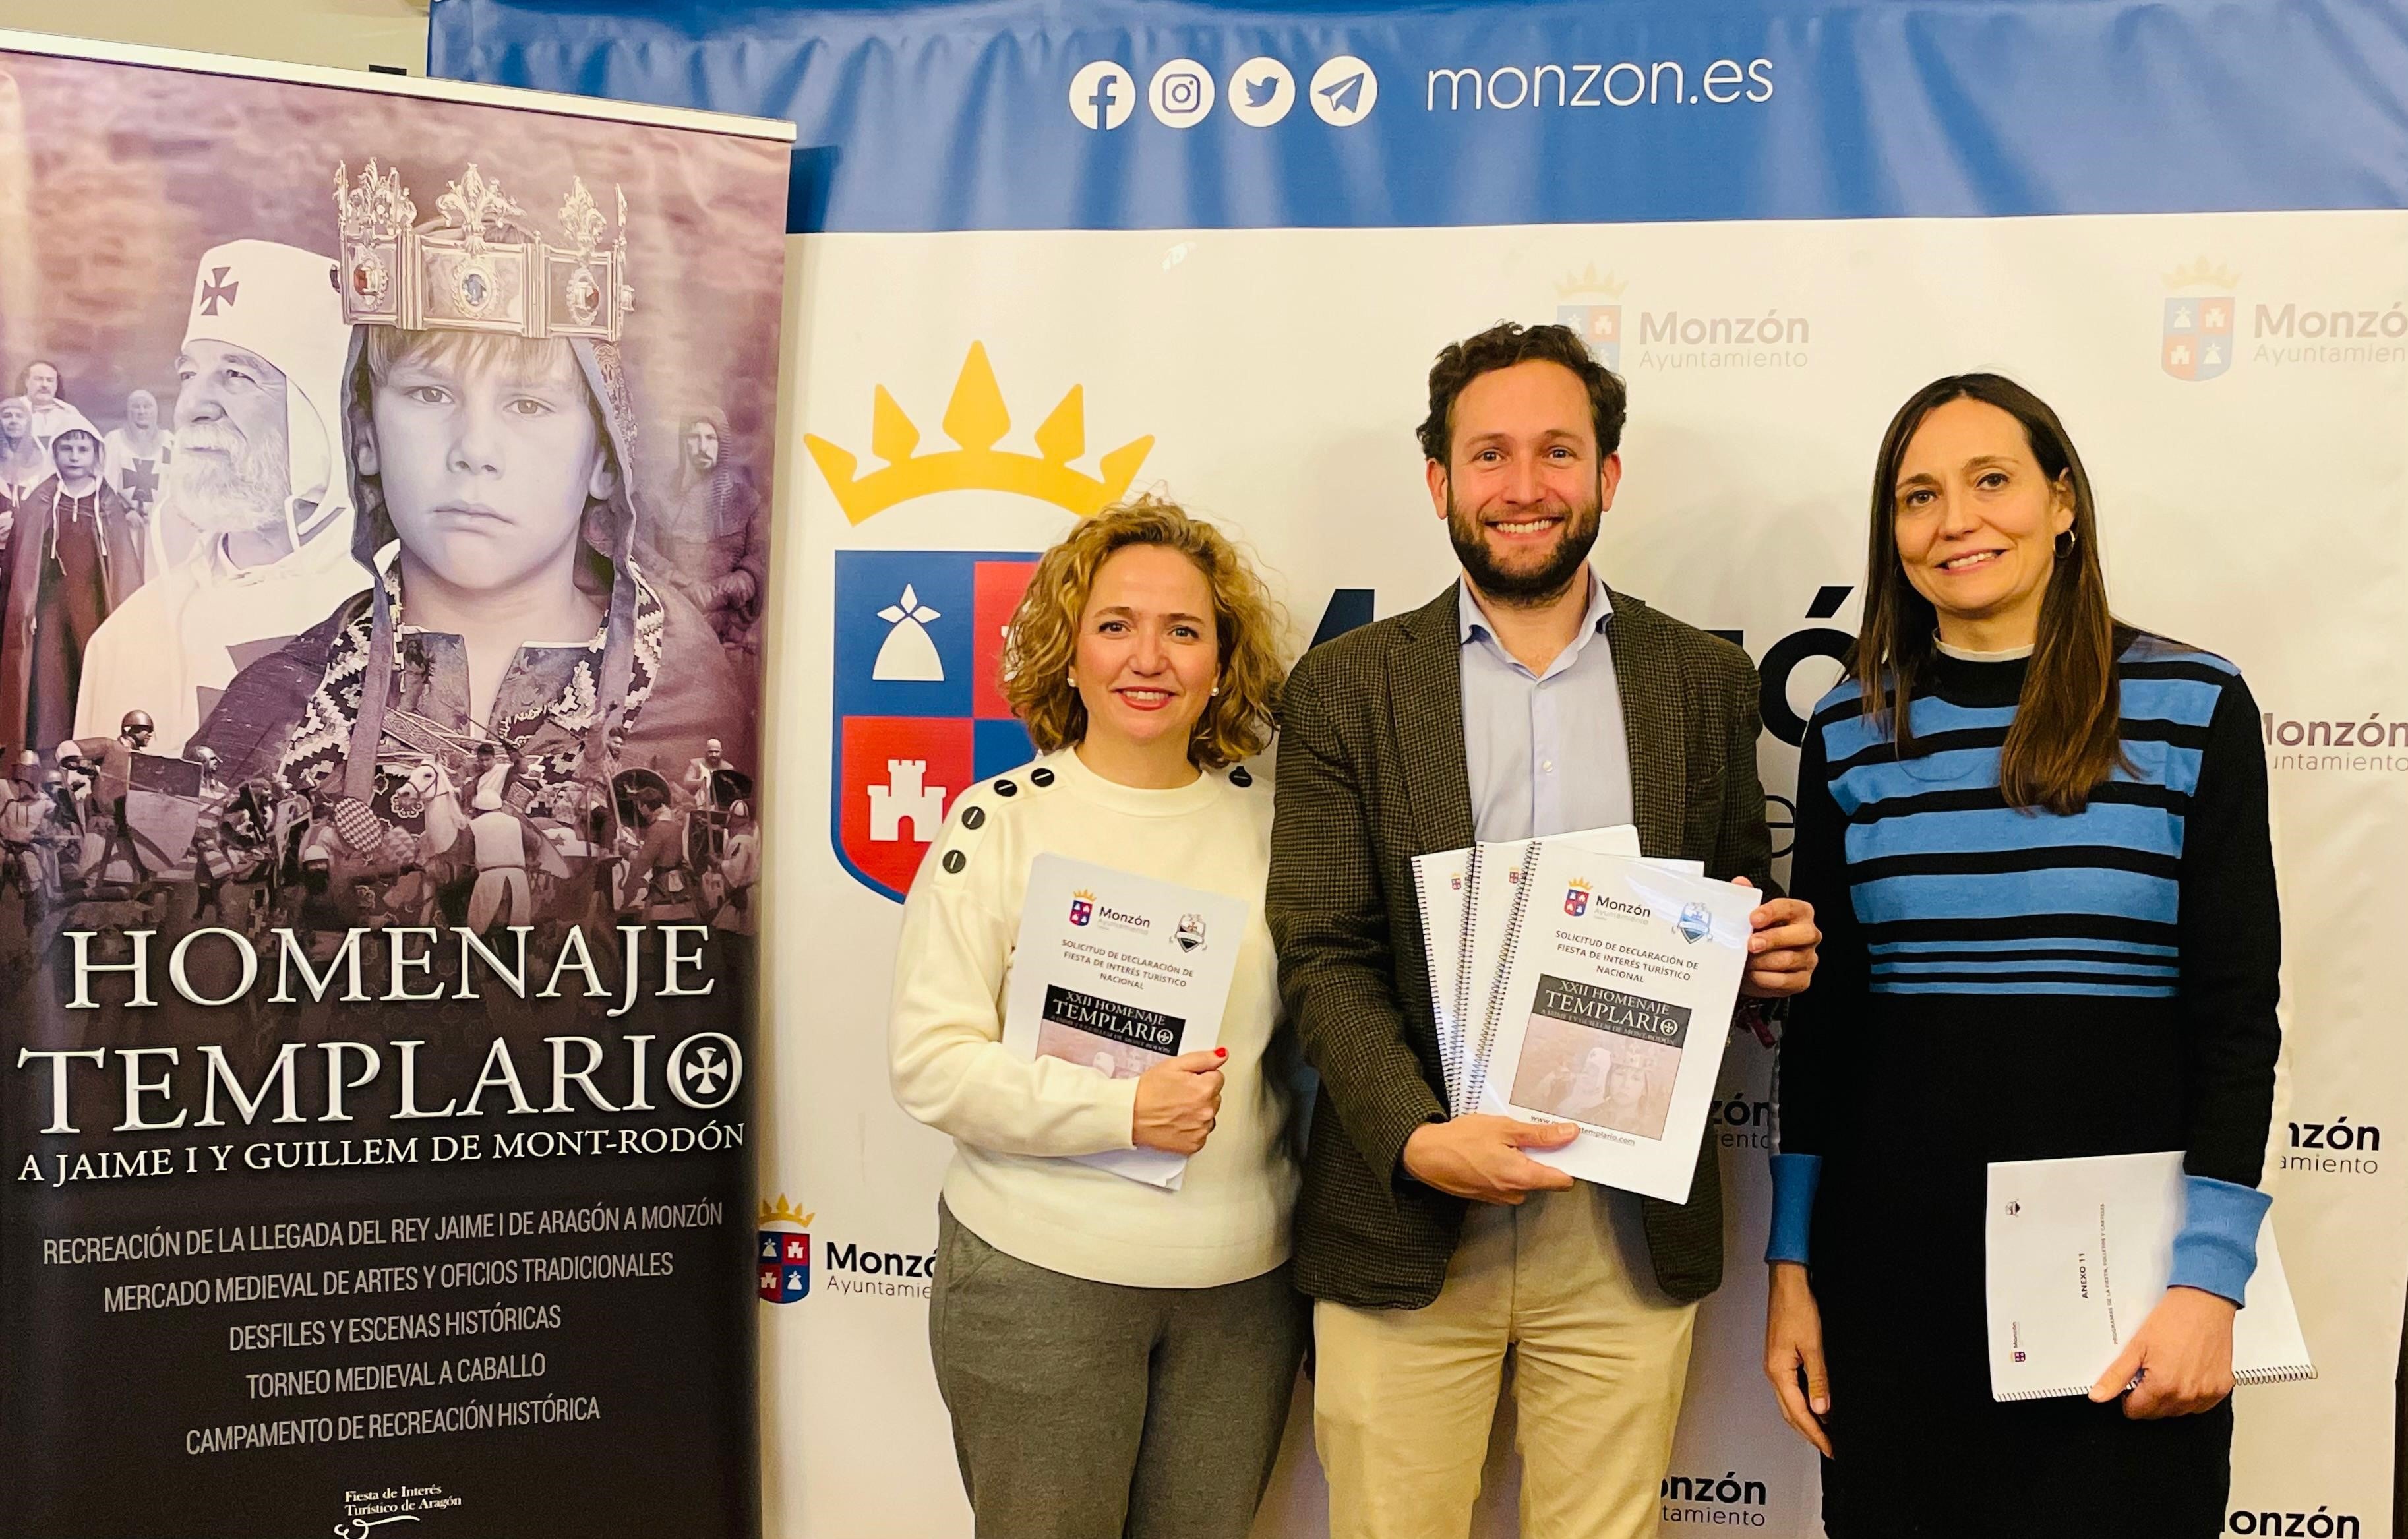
<point>1372,773</point>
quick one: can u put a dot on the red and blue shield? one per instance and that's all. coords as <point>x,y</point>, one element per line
<point>1082,911</point>
<point>1599,325</point>
<point>785,1266</point>
<point>1576,901</point>
<point>2197,343</point>
<point>920,713</point>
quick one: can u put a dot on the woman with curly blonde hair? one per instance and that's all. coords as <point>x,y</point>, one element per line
<point>1117,1358</point>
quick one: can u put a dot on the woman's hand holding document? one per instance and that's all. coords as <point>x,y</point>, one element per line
<point>1129,977</point>
<point>2078,1256</point>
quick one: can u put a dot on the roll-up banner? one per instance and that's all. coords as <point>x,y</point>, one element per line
<point>382,546</point>
<point>1050,253</point>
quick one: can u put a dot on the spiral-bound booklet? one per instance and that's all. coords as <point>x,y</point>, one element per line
<point>1467,900</point>
<point>1609,1005</point>
<point>2078,1252</point>
<point>1442,887</point>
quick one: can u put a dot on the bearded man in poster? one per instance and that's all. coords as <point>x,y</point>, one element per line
<point>254,529</point>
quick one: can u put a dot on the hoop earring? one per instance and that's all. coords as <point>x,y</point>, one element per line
<point>2066,542</point>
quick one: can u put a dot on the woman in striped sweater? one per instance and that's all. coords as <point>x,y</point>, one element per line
<point>2038,838</point>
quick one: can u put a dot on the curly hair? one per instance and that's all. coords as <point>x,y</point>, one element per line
<point>1502,346</point>
<point>1249,624</point>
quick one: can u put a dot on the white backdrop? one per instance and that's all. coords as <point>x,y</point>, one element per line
<point>1279,373</point>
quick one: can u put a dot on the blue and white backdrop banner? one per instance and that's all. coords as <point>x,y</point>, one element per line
<point>1046,251</point>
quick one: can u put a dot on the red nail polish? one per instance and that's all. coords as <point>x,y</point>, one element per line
<point>1220,1052</point>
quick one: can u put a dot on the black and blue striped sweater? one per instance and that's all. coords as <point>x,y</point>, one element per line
<point>2003,984</point>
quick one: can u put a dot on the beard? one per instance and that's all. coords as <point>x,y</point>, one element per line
<point>242,486</point>
<point>1529,581</point>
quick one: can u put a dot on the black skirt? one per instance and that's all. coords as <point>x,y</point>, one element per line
<point>1920,1447</point>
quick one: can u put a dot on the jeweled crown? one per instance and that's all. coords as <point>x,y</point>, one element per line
<point>483,267</point>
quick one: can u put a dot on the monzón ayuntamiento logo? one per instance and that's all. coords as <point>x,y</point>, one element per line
<point>2200,326</point>
<point>851,1266</point>
<point>1592,306</point>
<point>786,1253</point>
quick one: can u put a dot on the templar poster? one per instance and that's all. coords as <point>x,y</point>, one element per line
<point>384,505</point>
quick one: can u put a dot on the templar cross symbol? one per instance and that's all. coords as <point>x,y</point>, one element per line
<point>142,483</point>
<point>217,288</point>
<point>705,1071</point>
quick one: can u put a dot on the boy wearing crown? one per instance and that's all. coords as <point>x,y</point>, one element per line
<point>488,423</point>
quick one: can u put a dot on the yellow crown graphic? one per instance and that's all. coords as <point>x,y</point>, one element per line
<point>2204,274</point>
<point>1588,281</point>
<point>975,419</point>
<point>783,1211</point>
<point>1579,884</point>
<point>1083,896</point>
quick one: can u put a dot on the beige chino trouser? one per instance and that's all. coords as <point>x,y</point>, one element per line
<point>1403,1398</point>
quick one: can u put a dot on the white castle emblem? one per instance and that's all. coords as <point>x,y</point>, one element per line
<point>903,800</point>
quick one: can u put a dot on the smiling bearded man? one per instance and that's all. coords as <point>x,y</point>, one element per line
<point>1527,701</point>
<point>253,532</point>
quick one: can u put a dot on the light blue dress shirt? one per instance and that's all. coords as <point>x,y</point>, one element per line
<point>1547,752</point>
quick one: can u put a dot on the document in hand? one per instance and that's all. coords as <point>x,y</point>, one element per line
<point>2078,1253</point>
<point>1611,1005</point>
<point>1463,938</point>
<point>1118,972</point>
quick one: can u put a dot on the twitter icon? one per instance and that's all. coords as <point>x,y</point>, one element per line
<point>1261,92</point>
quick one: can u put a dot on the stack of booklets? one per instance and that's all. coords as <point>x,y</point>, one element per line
<point>1575,980</point>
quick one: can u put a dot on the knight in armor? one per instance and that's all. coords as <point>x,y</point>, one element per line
<point>739,869</point>
<point>28,812</point>
<point>112,779</point>
<point>658,886</point>
<point>498,464</point>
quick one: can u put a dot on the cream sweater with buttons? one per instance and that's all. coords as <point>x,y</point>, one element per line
<point>1013,1119</point>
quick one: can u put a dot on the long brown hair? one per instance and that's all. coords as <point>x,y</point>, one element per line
<point>2064,739</point>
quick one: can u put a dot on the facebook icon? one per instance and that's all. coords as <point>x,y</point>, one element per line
<point>1103,94</point>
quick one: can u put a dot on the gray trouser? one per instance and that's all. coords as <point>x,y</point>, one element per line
<point>1086,1410</point>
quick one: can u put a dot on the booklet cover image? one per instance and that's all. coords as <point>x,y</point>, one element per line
<point>1600,1057</point>
<point>1118,1041</point>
